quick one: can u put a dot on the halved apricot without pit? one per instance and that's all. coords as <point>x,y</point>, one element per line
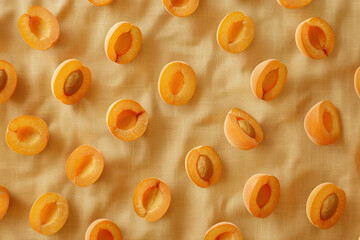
<point>4,201</point>
<point>49,213</point>
<point>203,166</point>
<point>235,32</point>
<point>100,2</point>
<point>103,229</point>
<point>123,42</point>
<point>223,230</point>
<point>294,3</point>
<point>242,130</point>
<point>84,166</point>
<point>325,205</point>
<point>27,135</point>
<point>151,199</point>
<point>181,8</point>
<point>127,120</point>
<point>70,81</point>
<point>261,195</point>
<point>268,79</point>
<point>177,83</point>
<point>322,123</point>
<point>315,38</point>
<point>8,80</point>
<point>356,82</point>
<point>39,28</point>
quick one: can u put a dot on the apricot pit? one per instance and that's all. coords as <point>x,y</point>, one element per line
<point>223,231</point>
<point>181,8</point>
<point>8,81</point>
<point>103,229</point>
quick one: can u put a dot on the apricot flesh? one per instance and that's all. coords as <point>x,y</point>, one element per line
<point>100,2</point>
<point>103,229</point>
<point>294,3</point>
<point>49,213</point>
<point>177,83</point>
<point>203,166</point>
<point>4,201</point>
<point>8,81</point>
<point>235,32</point>
<point>151,199</point>
<point>357,82</point>
<point>181,8</point>
<point>223,231</point>
<point>39,28</point>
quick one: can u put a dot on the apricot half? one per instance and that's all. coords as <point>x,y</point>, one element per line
<point>84,166</point>
<point>127,120</point>
<point>356,82</point>
<point>223,231</point>
<point>49,213</point>
<point>325,205</point>
<point>70,81</point>
<point>315,38</point>
<point>235,32</point>
<point>151,199</point>
<point>39,28</point>
<point>177,83</point>
<point>103,229</point>
<point>294,3</point>
<point>261,195</point>
<point>123,42</point>
<point>242,130</point>
<point>4,201</point>
<point>100,2</point>
<point>181,8</point>
<point>8,80</point>
<point>203,166</point>
<point>322,123</point>
<point>27,135</point>
<point>268,79</point>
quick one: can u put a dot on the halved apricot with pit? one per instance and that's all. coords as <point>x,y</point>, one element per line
<point>177,83</point>
<point>123,42</point>
<point>294,3</point>
<point>181,8</point>
<point>268,79</point>
<point>325,205</point>
<point>315,38</point>
<point>235,32</point>
<point>356,82</point>
<point>151,199</point>
<point>8,80</point>
<point>103,229</point>
<point>100,2</point>
<point>70,81</point>
<point>261,195</point>
<point>49,213</point>
<point>84,166</point>
<point>223,231</point>
<point>27,135</point>
<point>4,201</point>
<point>242,130</point>
<point>39,28</point>
<point>127,120</point>
<point>203,166</point>
<point>322,123</point>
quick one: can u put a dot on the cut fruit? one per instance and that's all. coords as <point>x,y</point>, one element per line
<point>268,79</point>
<point>127,120</point>
<point>325,205</point>
<point>315,38</point>
<point>27,135</point>
<point>84,166</point>
<point>151,199</point>
<point>322,123</point>
<point>123,42</point>
<point>356,82</point>
<point>177,83</point>
<point>49,213</point>
<point>100,2</point>
<point>235,32</point>
<point>294,3</point>
<point>242,130</point>
<point>4,201</point>
<point>39,28</point>
<point>181,8</point>
<point>261,195</point>
<point>70,81</point>
<point>8,81</point>
<point>103,229</point>
<point>203,166</point>
<point>223,231</point>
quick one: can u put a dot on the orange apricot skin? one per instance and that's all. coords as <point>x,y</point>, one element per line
<point>112,228</point>
<point>4,201</point>
<point>357,82</point>
<point>191,7</point>
<point>313,205</point>
<point>315,128</point>
<point>223,227</point>
<point>9,88</point>
<point>100,2</point>
<point>292,4</point>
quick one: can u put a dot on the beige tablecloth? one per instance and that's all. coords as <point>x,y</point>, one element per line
<point>223,83</point>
